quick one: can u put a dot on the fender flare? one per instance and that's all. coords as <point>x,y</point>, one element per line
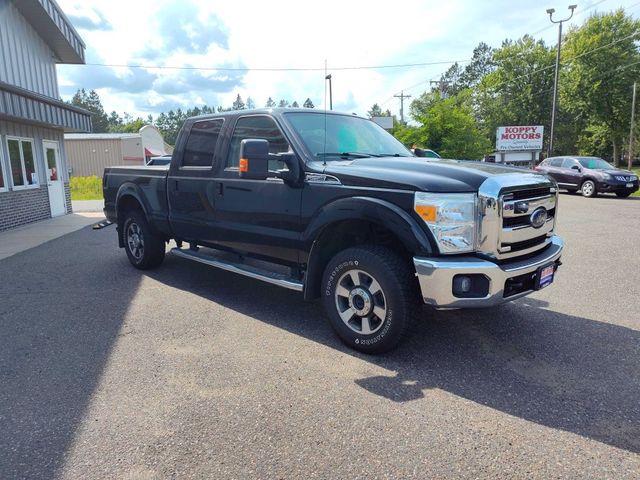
<point>414,238</point>
<point>129,189</point>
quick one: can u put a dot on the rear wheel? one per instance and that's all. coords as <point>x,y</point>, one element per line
<point>623,194</point>
<point>370,298</point>
<point>144,249</point>
<point>589,189</point>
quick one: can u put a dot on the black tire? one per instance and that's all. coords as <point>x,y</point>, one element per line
<point>623,194</point>
<point>590,191</point>
<point>144,249</point>
<point>395,300</point>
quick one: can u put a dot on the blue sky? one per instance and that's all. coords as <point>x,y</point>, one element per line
<point>207,36</point>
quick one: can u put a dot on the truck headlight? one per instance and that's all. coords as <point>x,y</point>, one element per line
<point>451,217</point>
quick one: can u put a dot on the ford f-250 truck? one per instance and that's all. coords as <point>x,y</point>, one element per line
<point>333,206</point>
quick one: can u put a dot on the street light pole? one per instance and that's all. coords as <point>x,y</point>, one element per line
<point>328,77</point>
<point>554,106</point>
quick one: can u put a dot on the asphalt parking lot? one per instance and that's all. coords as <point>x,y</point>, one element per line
<point>191,372</point>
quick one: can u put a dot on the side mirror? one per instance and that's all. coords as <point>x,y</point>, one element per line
<point>576,167</point>
<point>254,159</point>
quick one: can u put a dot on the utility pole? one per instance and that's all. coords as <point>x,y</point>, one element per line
<point>633,115</point>
<point>554,106</point>
<point>402,96</point>
<point>441,84</point>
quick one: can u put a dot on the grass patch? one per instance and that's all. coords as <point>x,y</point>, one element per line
<point>85,188</point>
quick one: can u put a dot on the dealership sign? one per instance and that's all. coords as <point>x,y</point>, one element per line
<point>519,138</point>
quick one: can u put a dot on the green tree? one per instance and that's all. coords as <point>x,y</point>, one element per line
<point>270,103</point>
<point>375,111</point>
<point>519,89</point>
<point>250,103</point>
<point>308,103</point>
<point>283,104</point>
<point>602,61</point>
<point>295,105</point>
<point>91,102</point>
<point>115,122</point>
<point>238,104</point>
<point>481,64</point>
<point>447,126</point>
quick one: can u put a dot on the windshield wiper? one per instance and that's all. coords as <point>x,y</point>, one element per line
<point>390,155</point>
<point>344,154</point>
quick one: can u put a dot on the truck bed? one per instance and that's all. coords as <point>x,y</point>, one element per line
<point>147,184</point>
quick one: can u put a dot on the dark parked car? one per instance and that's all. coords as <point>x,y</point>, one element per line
<point>591,175</point>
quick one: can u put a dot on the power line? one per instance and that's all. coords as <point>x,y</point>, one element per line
<point>274,69</point>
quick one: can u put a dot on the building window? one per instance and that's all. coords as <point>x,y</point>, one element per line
<point>22,163</point>
<point>3,182</point>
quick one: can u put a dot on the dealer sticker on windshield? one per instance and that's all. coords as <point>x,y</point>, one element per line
<point>545,276</point>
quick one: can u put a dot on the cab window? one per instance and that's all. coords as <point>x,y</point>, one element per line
<point>568,163</point>
<point>201,144</point>
<point>258,127</point>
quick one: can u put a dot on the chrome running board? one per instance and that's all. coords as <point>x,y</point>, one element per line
<point>251,271</point>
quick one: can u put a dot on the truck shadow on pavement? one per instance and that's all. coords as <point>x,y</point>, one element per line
<point>557,370</point>
<point>62,308</point>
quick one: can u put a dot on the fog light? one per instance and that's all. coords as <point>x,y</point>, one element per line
<point>461,284</point>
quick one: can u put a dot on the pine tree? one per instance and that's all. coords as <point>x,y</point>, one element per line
<point>91,102</point>
<point>295,105</point>
<point>238,104</point>
<point>283,104</point>
<point>250,103</point>
<point>308,103</point>
<point>270,103</point>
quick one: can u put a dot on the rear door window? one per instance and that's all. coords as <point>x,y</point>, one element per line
<point>568,163</point>
<point>201,144</point>
<point>556,162</point>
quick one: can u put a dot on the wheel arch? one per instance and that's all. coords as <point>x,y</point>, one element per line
<point>356,221</point>
<point>129,197</point>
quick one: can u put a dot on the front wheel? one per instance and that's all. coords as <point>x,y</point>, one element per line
<point>589,189</point>
<point>144,249</point>
<point>370,297</point>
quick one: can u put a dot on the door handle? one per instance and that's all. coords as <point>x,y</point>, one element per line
<point>220,189</point>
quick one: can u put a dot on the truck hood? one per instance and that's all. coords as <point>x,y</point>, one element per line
<point>417,174</point>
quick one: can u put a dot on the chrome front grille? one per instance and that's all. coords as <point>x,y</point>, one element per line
<point>508,226</point>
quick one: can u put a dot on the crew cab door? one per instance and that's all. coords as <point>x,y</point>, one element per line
<point>191,186</point>
<point>261,217</point>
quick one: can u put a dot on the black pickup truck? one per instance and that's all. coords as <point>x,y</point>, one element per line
<point>333,206</point>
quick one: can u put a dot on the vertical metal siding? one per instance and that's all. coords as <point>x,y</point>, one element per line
<point>25,59</point>
<point>92,156</point>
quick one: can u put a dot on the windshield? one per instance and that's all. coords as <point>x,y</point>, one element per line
<point>345,136</point>
<point>594,163</point>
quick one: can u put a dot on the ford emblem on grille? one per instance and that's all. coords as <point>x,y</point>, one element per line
<point>538,218</point>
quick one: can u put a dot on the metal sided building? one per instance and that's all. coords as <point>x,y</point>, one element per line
<point>35,35</point>
<point>89,154</point>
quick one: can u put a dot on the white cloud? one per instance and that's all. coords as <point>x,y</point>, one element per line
<point>286,34</point>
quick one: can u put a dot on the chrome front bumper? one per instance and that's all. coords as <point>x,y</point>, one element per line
<point>436,276</point>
